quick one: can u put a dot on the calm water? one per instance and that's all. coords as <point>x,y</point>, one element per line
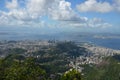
<point>110,43</point>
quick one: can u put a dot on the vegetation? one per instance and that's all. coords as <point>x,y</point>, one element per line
<point>108,69</point>
<point>71,48</point>
<point>71,75</point>
<point>12,69</point>
<point>28,69</point>
<point>52,64</point>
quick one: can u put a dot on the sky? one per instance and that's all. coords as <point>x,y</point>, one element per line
<point>66,15</point>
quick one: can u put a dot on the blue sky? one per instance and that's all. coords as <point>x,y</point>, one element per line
<point>67,15</point>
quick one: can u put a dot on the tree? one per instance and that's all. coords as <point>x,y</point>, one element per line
<point>71,75</point>
<point>12,69</point>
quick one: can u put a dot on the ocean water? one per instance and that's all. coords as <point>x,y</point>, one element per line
<point>108,43</point>
<point>113,43</point>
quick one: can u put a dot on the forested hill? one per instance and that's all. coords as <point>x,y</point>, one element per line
<point>54,63</point>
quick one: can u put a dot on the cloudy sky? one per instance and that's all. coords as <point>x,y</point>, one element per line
<point>77,15</point>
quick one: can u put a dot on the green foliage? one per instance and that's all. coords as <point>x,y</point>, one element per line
<point>71,48</point>
<point>109,69</point>
<point>112,72</point>
<point>52,62</point>
<point>29,69</point>
<point>71,75</point>
<point>26,70</point>
<point>117,57</point>
<point>17,51</point>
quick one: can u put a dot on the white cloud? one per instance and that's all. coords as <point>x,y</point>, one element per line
<point>97,22</point>
<point>99,6</point>
<point>39,7</point>
<point>61,11</point>
<point>91,23</point>
<point>3,19</point>
<point>117,5</point>
<point>93,5</point>
<point>58,10</point>
<point>12,5</point>
<point>55,9</point>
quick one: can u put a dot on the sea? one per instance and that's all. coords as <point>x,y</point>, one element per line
<point>108,42</point>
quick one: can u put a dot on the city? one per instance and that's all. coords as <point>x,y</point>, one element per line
<point>93,55</point>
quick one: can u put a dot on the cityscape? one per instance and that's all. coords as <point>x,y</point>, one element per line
<point>59,39</point>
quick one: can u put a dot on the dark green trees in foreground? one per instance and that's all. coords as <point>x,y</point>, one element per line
<point>71,75</point>
<point>17,67</point>
<point>14,68</point>
<point>53,64</point>
<point>108,69</point>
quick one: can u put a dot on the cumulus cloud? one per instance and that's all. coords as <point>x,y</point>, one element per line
<point>39,7</point>
<point>12,5</point>
<point>93,5</point>
<point>97,22</point>
<point>99,6</point>
<point>57,10</point>
<point>3,18</point>
<point>117,5</point>
<point>91,23</point>
<point>61,11</point>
